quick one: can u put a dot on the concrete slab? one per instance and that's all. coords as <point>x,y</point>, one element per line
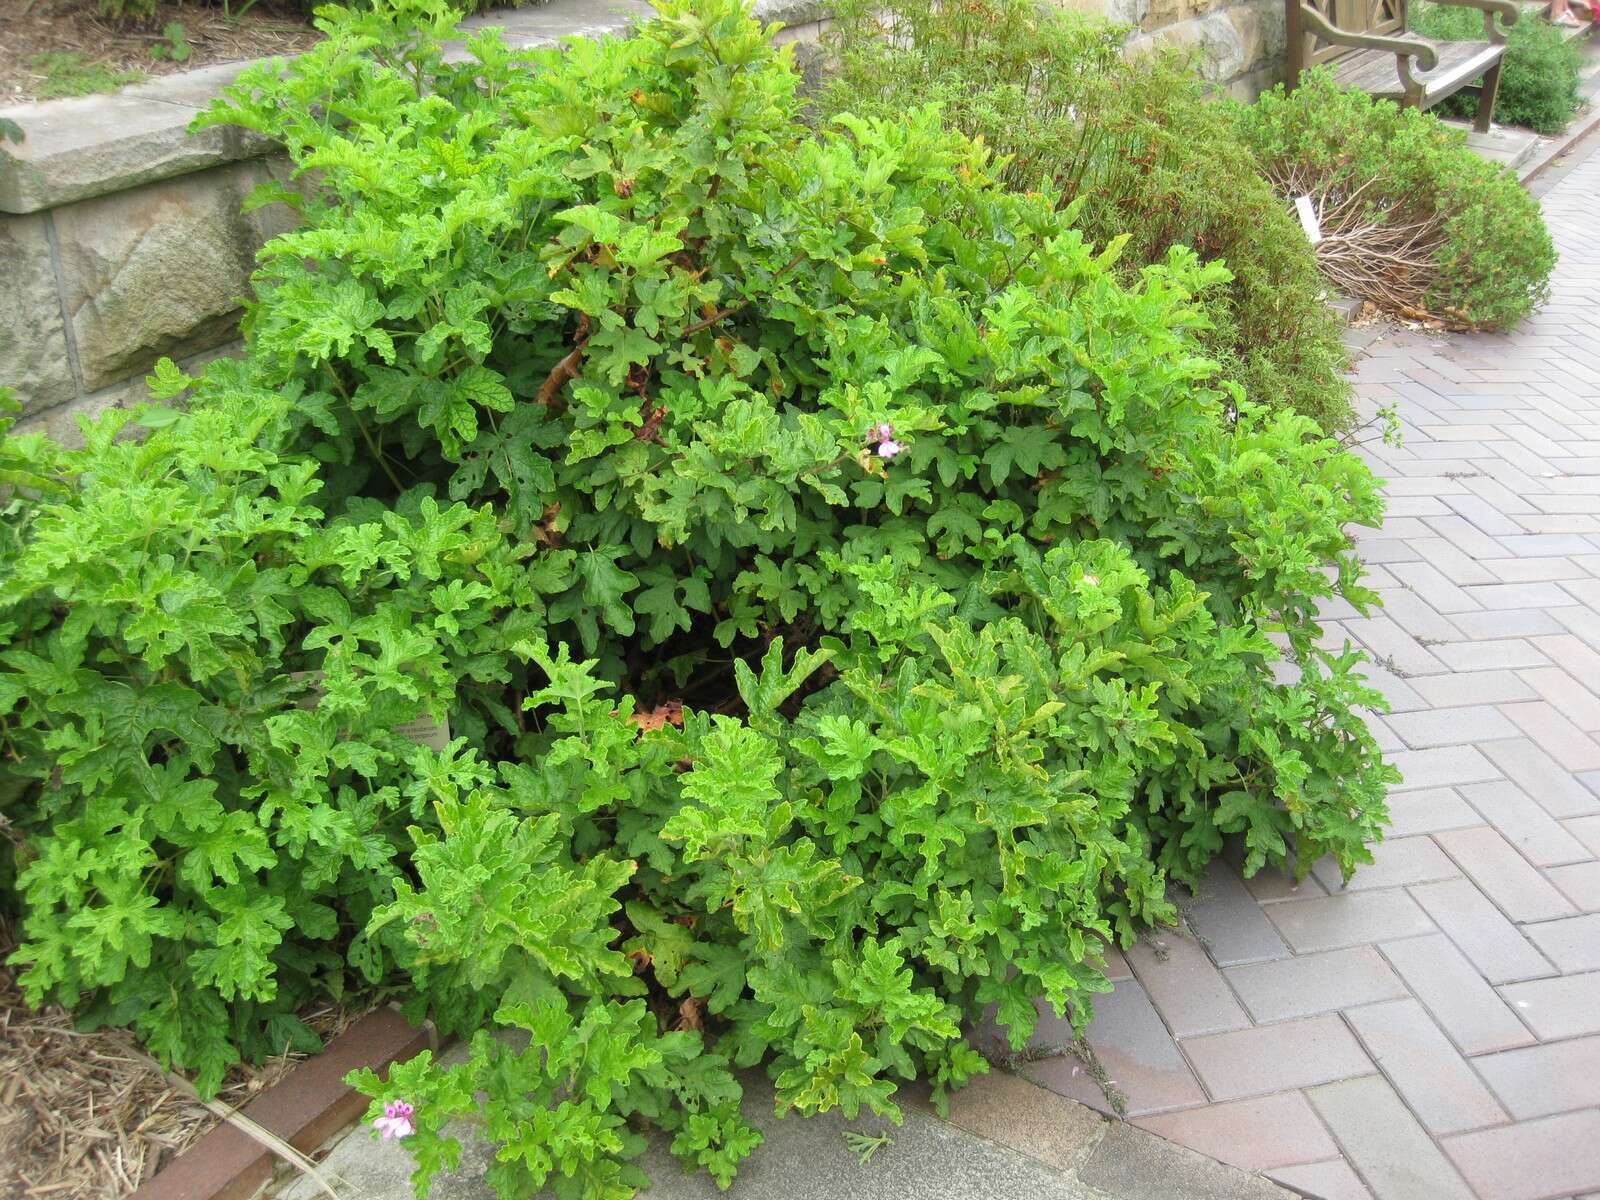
<point>1007,1139</point>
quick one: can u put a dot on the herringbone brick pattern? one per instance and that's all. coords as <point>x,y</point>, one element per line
<point>1432,1030</point>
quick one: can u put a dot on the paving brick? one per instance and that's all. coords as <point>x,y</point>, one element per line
<point>1461,533</point>
<point>1584,623</point>
<point>1536,1081</point>
<point>1572,944</point>
<point>1395,862</point>
<point>1393,645</point>
<point>1561,1007</point>
<point>1544,545</point>
<point>1257,1134</point>
<point>1427,811</point>
<point>1535,570</point>
<point>1485,516</point>
<point>1504,875</point>
<point>1132,1045</point>
<point>1534,1160</point>
<point>1587,831</point>
<point>1572,654</point>
<point>1418,618</point>
<point>1276,1058</point>
<point>1269,885</point>
<point>1185,987</point>
<point>1385,1143</point>
<point>1520,595</point>
<point>1507,623</point>
<point>1315,983</point>
<point>1388,550</point>
<point>1383,734</point>
<point>1452,562</point>
<point>1458,690</point>
<point>1452,726</point>
<point>1580,883</point>
<point>1551,785</point>
<point>1539,837</point>
<point>1578,703</point>
<point>1348,919</point>
<point>1468,1009</point>
<point>1420,1062</point>
<point>1332,1180</point>
<point>1437,589</point>
<point>1444,767</point>
<point>1508,654</point>
<point>1556,735</point>
<point>1428,505</point>
<point>1398,692</point>
<point>1228,922</point>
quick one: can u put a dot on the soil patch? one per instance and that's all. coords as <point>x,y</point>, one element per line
<point>63,47</point>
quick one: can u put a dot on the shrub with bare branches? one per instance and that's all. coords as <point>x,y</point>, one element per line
<point>1411,219</point>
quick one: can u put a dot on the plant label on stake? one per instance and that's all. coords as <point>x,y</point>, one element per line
<point>1308,218</point>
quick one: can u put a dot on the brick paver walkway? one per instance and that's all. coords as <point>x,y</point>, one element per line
<point>1433,1030</point>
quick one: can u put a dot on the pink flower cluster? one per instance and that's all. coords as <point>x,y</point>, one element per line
<point>882,436</point>
<point>396,1122</point>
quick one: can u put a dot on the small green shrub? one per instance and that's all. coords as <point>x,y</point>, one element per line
<point>1136,144</point>
<point>598,393</point>
<point>1539,75</point>
<point>1491,255</point>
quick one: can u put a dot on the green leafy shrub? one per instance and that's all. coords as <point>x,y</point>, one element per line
<point>1489,253</point>
<point>207,819</point>
<point>1136,143</point>
<point>1538,76</point>
<point>626,399</point>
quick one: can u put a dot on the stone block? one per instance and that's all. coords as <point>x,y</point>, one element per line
<point>1276,1058</point>
<point>158,270</point>
<point>1260,27</point>
<point>1539,1081</point>
<point>1315,983</point>
<point>1212,39</point>
<point>96,145</point>
<point>1433,1079</point>
<point>1533,1159</point>
<point>1257,1134</point>
<point>1563,1007</point>
<point>1465,1007</point>
<point>33,335</point>
<point>1385,1142</point>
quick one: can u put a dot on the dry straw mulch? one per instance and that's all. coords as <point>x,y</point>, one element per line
<point>89,1116</point>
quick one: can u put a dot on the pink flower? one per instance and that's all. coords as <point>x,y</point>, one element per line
<point>888,448</point>
<point>881,432</point>
<point>396,1121</point>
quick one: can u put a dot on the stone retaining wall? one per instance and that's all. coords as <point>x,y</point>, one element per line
<point>122,237</point>
<point>122,240</point>
<point>1237,44</point>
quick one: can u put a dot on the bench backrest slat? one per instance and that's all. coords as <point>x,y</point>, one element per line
<point>1387,17</point>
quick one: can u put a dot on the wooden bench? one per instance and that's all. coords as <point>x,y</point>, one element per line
<point>1366,46</point>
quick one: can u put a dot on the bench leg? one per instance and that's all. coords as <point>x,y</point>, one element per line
<point>1486,95</point>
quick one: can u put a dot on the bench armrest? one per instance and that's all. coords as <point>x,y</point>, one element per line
<point>1403,48</point>
<point>1507,10</point>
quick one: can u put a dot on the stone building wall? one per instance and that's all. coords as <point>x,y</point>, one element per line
<point>1238,44</point>
<point>122,239</point>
